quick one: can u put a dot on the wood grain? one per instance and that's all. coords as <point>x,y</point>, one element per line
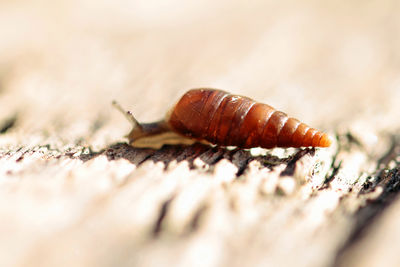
<point>73,193</point>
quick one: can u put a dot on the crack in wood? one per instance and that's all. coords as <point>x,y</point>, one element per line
<point>8,124</point>
<point>334,169</point>
<point>291,165</point>
<point>161,216</point>
<point>196,219</point>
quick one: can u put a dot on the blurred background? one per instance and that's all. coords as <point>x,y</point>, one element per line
<point>333,64</point>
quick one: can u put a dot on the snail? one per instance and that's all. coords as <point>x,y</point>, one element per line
<point>218,117</point>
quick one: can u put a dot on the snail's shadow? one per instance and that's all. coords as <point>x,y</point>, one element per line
<point>196,153</point>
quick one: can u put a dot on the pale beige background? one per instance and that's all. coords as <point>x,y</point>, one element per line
<point>333,64</point>
<point>328,63</point>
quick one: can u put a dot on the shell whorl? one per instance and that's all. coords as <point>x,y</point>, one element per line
<point>231,120</point>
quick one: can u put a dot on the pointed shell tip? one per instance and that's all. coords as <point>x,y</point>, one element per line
<point>326,141</point>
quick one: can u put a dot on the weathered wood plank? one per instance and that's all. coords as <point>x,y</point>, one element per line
<point>74,193</point>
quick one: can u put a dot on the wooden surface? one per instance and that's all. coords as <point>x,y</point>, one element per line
<point>73,193</point>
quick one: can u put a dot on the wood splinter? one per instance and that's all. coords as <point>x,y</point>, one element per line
<point>217,117</point>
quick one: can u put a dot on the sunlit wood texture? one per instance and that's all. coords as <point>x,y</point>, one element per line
<point>73,193</point>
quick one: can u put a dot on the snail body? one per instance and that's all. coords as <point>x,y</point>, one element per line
<point>223,119</point>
